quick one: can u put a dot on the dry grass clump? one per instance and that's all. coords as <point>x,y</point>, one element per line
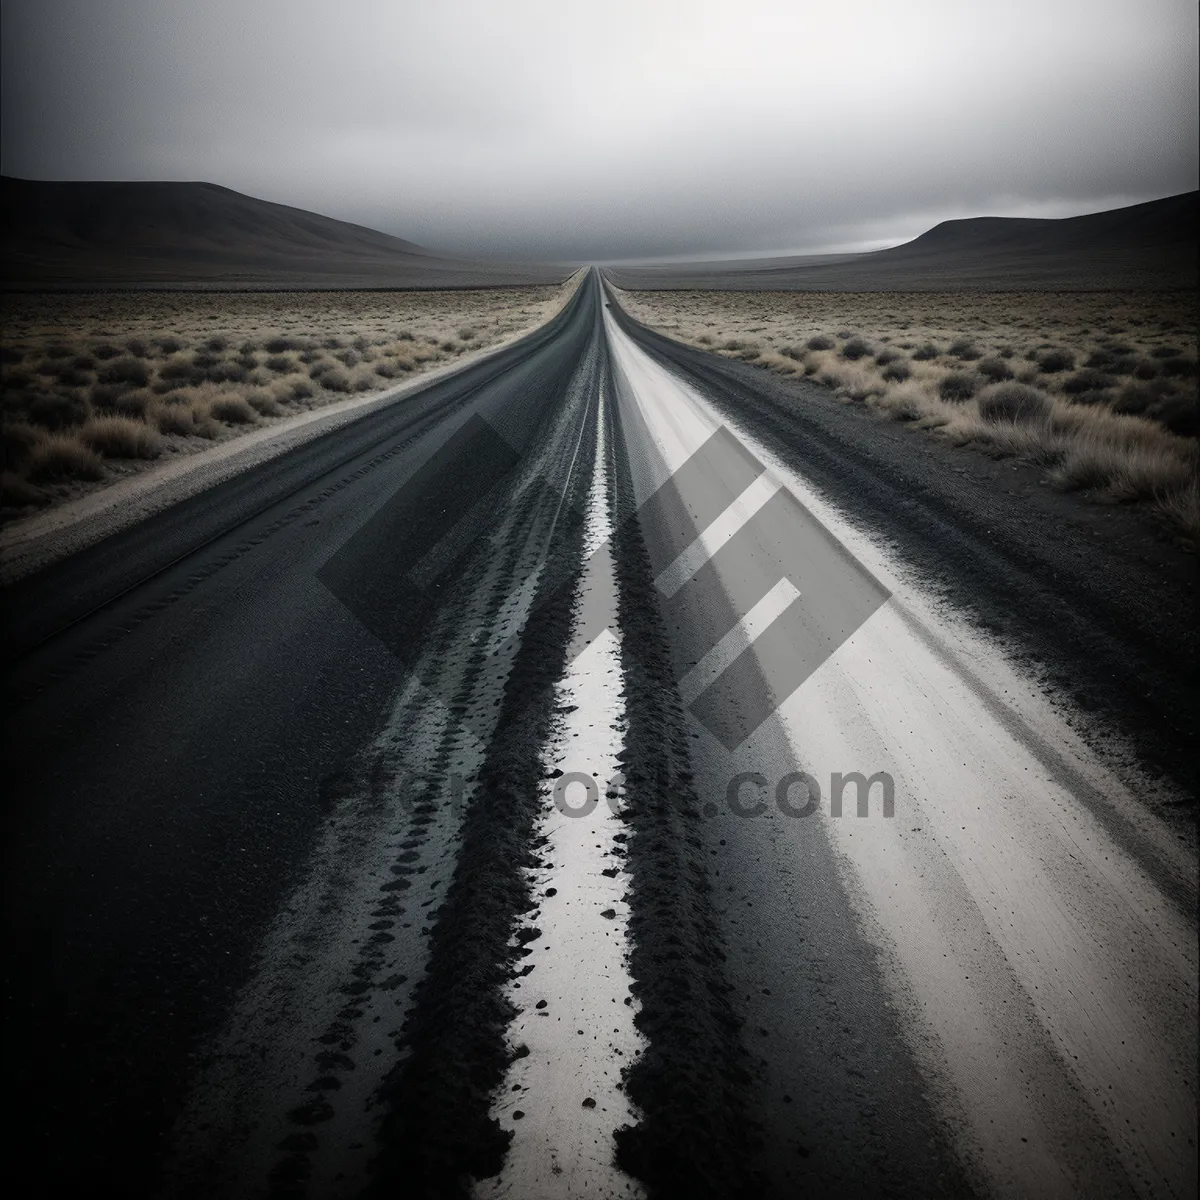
<point>959,386</point>
<point>120,437</point>
<point>1013,402</point>
<point>1100,388</point>
<point>62,456</point>
<point>94,385</point>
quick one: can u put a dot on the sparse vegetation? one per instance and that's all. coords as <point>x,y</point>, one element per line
<point>1053,360</point>
<point>1121,427</point>
<point>95,386</point>
<point>1015,402</point>
<point>958,386</point>
<point>995,369</point>
<point>120,437</point>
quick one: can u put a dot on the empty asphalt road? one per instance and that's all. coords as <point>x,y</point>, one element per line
<point>607,770</point>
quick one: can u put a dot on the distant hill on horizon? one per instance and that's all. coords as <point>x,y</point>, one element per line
<point>1144,246</point>
<point>150,234</point>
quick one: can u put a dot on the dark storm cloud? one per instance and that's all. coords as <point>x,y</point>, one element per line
<point>620,129</point>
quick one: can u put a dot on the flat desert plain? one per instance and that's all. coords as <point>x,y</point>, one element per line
<point>96,386</point>
<point>1098,387</point>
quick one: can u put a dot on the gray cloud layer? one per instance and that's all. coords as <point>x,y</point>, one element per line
<point>620,129</point>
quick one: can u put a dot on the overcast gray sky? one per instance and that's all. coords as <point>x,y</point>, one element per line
<point>623,128</point>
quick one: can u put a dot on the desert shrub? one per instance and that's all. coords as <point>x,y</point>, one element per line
<point>704,339</point>
<point>217,344</point>
<point>795,353</point>
<point>264,404</point>
<point>1107,359</point>
<point>964,350</point>
<point>925,352</point>
<point>364,379</point>
<point>886,356</point>
<point>104,395</point>
<point>1125,471</point>
<point>995,369</point>
<point>227,371</point>
<point>279,345</point>
<point>175,418</point>
<point>335,380</point>
<point>897,371</point>
<point>168,345</point>
<point>1178,412</point>
<point>387,368</point>
<point>70,376</point>
<point>855,349</point>
<point>333,343</point>
<point>348,358</point>
<point>851,380</point>
<point>137,347</point>
<point>204,360</point>
<point>958,386</point>
<point>11,354</point>
<point>846,334</point>
<point>820,342</point>
<point>1087,380</point>
<point>1145,368</point>
<point>1157,352</point>
<point>187,413</point>
<point>48,366</point>
<point>106,350</point>
<point>233,410</point>
<point>280,363</point>
<point>1050,362</point>
<point>83,362</point>
<point>120,437</point>
<point>17,441</point>
<point>180,370</point>
<point>321,367</point>
<point>1137,398</point>
<point>1179,368</point>
<point>63,456</point>
<point>301,388</point>
<point>132,403</point>
<point>1013,402</point>
<point>405,335</point>
<point>903,403</point>
<point>57,351</point>
<point>57,411</point>
<point>126,370</point>
<point>1181,507</point>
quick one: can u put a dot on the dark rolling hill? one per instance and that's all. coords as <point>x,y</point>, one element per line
<point>96,234</point>
<point>1152,245</point>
